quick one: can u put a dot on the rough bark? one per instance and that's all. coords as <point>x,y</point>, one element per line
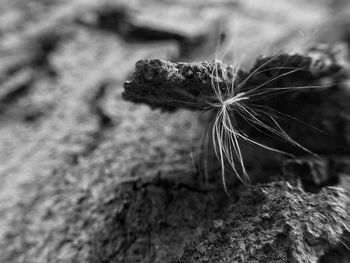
<point>88,177</point>
<point>275,223</point>
<point>308,115</point>
<point>170,85</point>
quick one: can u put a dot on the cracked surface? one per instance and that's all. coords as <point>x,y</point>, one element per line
<point>275,223</point>
<point>88,177</point>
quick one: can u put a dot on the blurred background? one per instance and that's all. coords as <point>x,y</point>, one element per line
<point>68,140</point>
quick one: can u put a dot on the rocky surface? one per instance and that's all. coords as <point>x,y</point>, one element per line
<point>275,223</point>
<point>289,87</point>
<point>88,177</point>
<point>171,86</point>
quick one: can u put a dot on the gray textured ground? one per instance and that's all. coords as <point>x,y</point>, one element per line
<point>88,177</point>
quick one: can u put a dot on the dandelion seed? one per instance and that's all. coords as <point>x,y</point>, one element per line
<point>234,95</point>
<point>235,100</point>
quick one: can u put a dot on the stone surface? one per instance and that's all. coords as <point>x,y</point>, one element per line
<point>275,223</point>
<point>86,176</point>
<point>306,94</point>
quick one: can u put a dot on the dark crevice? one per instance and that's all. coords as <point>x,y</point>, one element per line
<point>27,62</point>
<point>14,101</point>
<point>104,120</point>
<point>34,54</point>
<point>145,217</point>
<point>16,87</point>
<point>120,21</point>
<point>339,253</point>
<point>312,173</point>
